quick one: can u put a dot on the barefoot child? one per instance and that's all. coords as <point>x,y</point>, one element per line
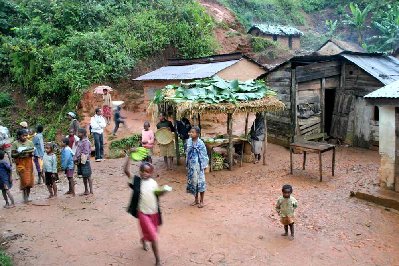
<point>67,165</point>
<point>147,140</point>
<point>145,205</point>
<point>82,159</point>
<point>285,207</point>
<point>50,169</point>
<point>6,181</point>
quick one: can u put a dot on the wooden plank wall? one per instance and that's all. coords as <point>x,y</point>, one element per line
<point>279,123</point>
<point>352,118</point>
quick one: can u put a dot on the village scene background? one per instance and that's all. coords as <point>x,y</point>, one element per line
<point>331,115</point>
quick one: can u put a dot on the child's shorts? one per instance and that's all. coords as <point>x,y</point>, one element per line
<point>49,179</point>
<point>287,220</point>
<point>69,173</point>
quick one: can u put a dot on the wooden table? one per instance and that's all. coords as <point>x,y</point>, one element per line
<point>313,147</point>
<point>211,146</point>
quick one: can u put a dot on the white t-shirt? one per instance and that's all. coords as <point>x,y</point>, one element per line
<point>148,200</point>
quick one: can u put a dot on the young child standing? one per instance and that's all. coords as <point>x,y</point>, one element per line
<point>285,207</point>
<point>82,159</point>
<point>6,181</point>
<point>38,153</point>
<point>147,140</point>
<point>145,205</point>
<point>73,140</point>
<point>67,165</point>
<point>50,169</point>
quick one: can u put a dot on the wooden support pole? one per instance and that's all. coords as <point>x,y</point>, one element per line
<point>293,98</point>
<point>230,133</point>
<point>176,138</point>
<point>265,140</point>
<point>323,106</point>
<point>243,142</point>
<point>199,122</point>
<point>320,166</point>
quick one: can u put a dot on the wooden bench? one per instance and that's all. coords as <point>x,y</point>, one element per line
<point>312,147</point>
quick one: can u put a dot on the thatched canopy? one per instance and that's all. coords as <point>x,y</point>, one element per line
<point>266,104</point>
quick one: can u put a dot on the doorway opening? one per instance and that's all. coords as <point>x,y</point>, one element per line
<point>329,101</point>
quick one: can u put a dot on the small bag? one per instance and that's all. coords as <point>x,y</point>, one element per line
<point>83,159</point>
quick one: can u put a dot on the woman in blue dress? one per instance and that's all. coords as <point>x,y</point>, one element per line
<point>196,162</point>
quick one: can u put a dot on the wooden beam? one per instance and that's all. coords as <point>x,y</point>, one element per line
<point>265,140</point>
<point>293,105</point>
<point>176,138</point>
<point>243,143</point>
<point>230,133</point>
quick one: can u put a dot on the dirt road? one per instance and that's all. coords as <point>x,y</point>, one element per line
<point>237,227</point>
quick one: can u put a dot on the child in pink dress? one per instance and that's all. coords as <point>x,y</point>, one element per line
<point>147,140</point>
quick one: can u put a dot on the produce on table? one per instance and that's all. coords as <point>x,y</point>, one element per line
<point>140,154</point>
<point>217,162</point>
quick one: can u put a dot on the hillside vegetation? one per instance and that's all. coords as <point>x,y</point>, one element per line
<point>52,50</point>
<point>374,24</point>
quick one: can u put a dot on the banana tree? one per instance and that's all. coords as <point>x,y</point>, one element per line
<point>357,19</point>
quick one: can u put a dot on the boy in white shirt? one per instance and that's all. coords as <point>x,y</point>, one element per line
<point>97,124</point>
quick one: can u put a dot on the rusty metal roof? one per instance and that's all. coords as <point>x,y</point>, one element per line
<point>383,68</point>
<point>187,72</point>
<point>389,91</point>
<point>277,30</point>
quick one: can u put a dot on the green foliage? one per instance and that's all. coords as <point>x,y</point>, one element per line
<point>55,49</point>
<point>215,90</point>
<point>270,11</point>
<point>5,260</point>
<point>387,23</point>
<point>260,44</point>
<point>331,27</point>
<point>357,19</point>
<point>126,143</point>
<point>5,100</point>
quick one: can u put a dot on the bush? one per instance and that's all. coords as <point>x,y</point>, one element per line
<point>260,44</point>
<point>5,260</point>
<point>54,50</point>
<point>5,100</point>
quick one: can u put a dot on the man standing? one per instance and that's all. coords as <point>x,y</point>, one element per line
<point>257,136</point>
<point>38,153</point>
<point>97,124</point>
<point>118,119</point>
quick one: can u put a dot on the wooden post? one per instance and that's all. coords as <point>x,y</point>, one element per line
<point>291,160</point>
<point>323,106</point>
<point>333,162</point>
<point>230,133</point>
<point>265,140</point>
<point>243,143</point>
<point>199,122</point>
<point>304,160</point>
<point>176,138</point>
<point>293,96</point>
<point>320,167</point>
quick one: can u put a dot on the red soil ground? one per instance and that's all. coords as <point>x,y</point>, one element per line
<point>238,226</point>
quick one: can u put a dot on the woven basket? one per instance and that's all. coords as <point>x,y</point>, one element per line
<point>248,158</point>
<point>164,136</point>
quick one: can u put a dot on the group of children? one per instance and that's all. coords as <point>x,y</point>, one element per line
<point>75,151</point>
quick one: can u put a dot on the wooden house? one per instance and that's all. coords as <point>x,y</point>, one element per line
<point>227,66</point>
<point>387,100</point>
<point>335,46</point>
<point>324,95</point>
<point>286,36</point>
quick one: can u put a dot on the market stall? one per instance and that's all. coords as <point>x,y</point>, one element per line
<point>217,96</point>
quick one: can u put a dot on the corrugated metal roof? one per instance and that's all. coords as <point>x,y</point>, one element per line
<point>389,91</point>
<point>383,68</point>
<point>187,72</point>
<point>277,29</point>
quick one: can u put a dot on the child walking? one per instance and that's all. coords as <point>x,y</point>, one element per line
<point>285,207</point>
<point>82,159</point>
<point>145,205</point>
<point>67,165</point>
<point>147,140</point>
<point>50,169</point>
<point>6,181</point>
